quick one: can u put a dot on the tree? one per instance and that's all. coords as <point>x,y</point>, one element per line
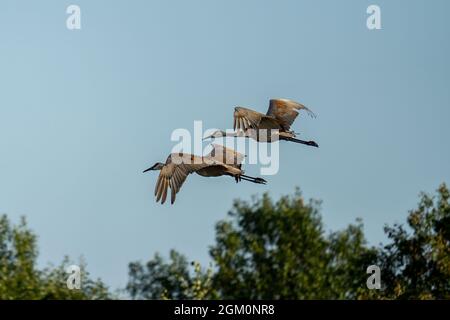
<point>267,250</point>
<point>416,263</point>
<point>20,278</point>
<point>279,250</point>
<point>173,280</point>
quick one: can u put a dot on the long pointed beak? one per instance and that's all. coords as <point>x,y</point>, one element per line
<point>206,138</point>
<point>147,170</point>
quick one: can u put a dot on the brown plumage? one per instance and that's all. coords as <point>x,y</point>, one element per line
<point>280,115</point>
<point>273,126</point>
<point>221,161</point>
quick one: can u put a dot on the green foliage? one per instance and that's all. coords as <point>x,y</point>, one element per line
<point>350,258</point>
<point>20,278</point>
<point>416,264</point>
<point>173,280</point>
<point>265,249</point>
<point>279,250</point>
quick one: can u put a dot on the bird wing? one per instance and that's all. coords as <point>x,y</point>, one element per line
<point>285,111</point>
<point>270,122</point>
<point>246,118</point>
<point>225,155</point>
<point>174,173</point>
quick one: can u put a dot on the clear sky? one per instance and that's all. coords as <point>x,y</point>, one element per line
<point>83,112</point>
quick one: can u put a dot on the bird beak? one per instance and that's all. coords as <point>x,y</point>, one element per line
<point>206,138</point>
<point>151,168</point>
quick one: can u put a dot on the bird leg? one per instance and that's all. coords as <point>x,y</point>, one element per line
<point>308,143</point>
<point>253,179</point>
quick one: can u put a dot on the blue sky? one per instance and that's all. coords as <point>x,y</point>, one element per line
<point>83,112</point>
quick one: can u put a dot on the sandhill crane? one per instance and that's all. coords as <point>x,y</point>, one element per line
<point>219,162</point>
<point>269,127</point>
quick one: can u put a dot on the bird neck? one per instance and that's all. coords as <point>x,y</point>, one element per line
<point>227,134</point>
<point>230,134</point>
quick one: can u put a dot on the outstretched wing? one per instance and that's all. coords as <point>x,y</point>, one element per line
<point>225,155</point>
<point>285,111</point>
<point>174,173</point>
<point>246,118</point>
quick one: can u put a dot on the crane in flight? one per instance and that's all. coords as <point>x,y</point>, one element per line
<point>221,161</point>
<point>272,126</point>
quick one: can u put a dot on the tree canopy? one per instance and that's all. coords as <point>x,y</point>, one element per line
<point>269,249</point>
<point>264,249</point>
<point>20,279</point>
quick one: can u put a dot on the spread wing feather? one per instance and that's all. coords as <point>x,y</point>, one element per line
<point>245,118</point>
<point>174,174</point>
<point>285,111</point>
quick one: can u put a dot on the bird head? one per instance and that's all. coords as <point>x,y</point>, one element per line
<point>156,166</point>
